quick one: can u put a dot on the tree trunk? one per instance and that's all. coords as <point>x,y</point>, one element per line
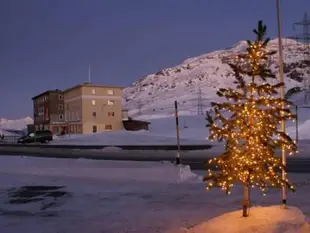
<point>246,201</point>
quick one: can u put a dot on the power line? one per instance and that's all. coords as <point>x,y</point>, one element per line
<point>304,38</point>
<point>200,104</point>
<point>139,107</point>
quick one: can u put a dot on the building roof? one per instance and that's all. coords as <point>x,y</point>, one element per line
<point>136,121</point>
<point>46,93</point>
<point>90,85</point>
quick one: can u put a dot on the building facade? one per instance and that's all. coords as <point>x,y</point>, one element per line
<point>93,108</point>
<point>48,111</point>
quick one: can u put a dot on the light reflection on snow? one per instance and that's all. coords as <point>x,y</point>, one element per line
<point>117,204</point>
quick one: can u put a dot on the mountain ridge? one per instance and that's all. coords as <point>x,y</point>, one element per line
<point>17,124</point>
<point>205,74</point>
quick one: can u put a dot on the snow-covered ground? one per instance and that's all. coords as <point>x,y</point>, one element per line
<point>260,221</point>
<point>163,131</point>
<point>116,197</point>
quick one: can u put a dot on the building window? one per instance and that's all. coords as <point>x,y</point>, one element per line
<point>94,128</point>
<point>60,97</point>
<point>77,116</point>
<point>61,117</point>
<point>110,102</point>
<point>110,113</point>
<point>108,127</point>
<point>60,107</point>
<point>93,91</point>
<point>110,92</point>
<point>94,114</point>
<point>93,102</point>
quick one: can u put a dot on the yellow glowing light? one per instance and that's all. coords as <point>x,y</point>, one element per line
<point>248,122</point>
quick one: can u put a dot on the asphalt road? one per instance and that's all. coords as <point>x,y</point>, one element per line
<point>196,159</point>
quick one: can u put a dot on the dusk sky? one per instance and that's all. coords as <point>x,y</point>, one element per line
<point>48,44</point>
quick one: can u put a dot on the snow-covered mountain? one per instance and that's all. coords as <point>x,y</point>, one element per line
<point>18,124</point>
<point>155,94</point>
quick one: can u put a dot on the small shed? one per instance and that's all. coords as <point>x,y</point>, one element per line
<point>135,125</point>
<point>31,128</point>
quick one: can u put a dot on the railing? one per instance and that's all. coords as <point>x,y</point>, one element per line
<point>9,139</point>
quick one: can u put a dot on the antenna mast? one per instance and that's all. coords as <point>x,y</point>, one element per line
<point>89,74</point>
<point>305,39</point>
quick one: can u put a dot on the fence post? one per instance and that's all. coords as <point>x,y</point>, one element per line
<point>177,161</point>
<point>296,109</point>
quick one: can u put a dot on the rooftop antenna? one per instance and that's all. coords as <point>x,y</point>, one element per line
<point>89,74</point>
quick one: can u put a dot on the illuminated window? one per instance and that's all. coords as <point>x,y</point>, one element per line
<point>108,127</point>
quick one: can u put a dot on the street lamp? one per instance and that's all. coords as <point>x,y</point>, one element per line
<point>284,194</point>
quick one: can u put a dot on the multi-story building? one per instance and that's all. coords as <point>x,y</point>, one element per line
<point>48,111</point>
<point>93,108</point>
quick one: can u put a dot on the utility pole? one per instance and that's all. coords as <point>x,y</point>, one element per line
<point>139,108</point>
<point>296,109</point>
<point>281,74</point>
<point>199,104</point>
<point>89,74</point>
<point>177,160</point>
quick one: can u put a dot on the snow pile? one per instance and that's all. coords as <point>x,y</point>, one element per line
<point>303,130</point>
<point>99,169</point>
<point>185,174</point>
<point>272,219</point>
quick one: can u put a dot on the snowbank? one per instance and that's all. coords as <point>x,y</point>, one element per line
<point>273,219</point>
<point>303,130</point>
<point>99,169</point>
<point>161,132</point>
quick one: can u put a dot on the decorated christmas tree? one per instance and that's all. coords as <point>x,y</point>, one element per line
<point>248,121</point>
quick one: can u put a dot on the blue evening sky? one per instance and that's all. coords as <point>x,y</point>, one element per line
<point>48,44</point>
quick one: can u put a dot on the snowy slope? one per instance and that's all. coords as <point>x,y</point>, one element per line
<point>18,124</point>
<point>155,93</point>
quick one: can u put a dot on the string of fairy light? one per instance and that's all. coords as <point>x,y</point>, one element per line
<point>251,129</point>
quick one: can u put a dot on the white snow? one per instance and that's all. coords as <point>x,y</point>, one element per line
<point>17,124</point>
<point>155,94</point>
<point>119,197</point>
<point>162,131</point>
<point>272,219</point>
<point>81,168</point>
